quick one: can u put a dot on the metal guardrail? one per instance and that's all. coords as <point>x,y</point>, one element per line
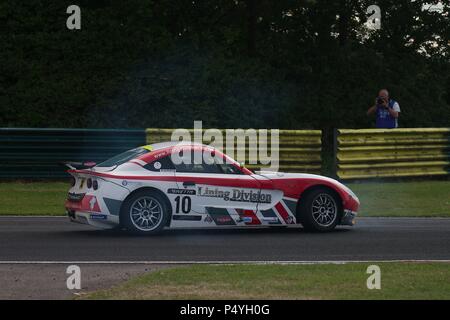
<point>36,153</point>
<point>371,153</point>
<point>299,150</point>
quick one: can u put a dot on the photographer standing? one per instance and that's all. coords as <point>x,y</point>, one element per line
<point>387,111</point>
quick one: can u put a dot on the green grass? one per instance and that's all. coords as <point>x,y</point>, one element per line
<point>327,281</point>
<point>404,199</point>
<point>34,198</point>
<point>393,199</point>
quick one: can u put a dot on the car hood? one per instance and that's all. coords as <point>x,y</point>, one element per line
<point>285,175</point>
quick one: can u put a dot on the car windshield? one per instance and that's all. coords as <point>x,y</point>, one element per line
<point>124,157</point>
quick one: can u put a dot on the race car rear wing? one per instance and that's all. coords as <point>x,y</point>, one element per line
<point>73,165</point>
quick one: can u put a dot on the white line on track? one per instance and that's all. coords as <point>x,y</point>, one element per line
<point>223,262</point>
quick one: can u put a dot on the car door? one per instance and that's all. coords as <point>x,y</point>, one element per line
<point>272,209</point>
<point>221,196</point>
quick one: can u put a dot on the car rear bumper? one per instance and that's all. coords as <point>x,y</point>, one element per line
<point>97,220</point>
<point>87,211</point>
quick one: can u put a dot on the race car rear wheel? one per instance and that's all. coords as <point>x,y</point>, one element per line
<point>145,212</point>
<point>320,210</point>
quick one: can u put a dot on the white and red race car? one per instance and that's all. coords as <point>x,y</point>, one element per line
<point>144,191</point>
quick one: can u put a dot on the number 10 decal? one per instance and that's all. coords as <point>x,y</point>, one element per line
<point>185,204</point>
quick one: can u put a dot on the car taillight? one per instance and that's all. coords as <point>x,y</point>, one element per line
<point>89,183</point>
<point>95,184</point>
<point>72,181</point>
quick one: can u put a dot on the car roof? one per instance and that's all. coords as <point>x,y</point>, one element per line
<point>164,145</point>
<point>163,148</point>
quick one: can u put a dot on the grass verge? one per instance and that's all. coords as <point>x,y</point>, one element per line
<point>327,281</point>
<point>389,199</point>
<point>33,198</point>
<point>404,199</point>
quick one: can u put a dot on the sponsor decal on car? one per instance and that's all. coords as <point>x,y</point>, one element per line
<point>220,216</point>
<point>270,216</point>
<point>271,219</point>
<point>157,165</point>
<point>223,219</point>
<point>181,191</point>
<point>235,195</point>
<point>98,216</point>
<point>187,218</point>
<point>245,219</point>
<point>247,216</point>
<point>160,154</point>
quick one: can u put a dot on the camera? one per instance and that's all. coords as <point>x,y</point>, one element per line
<point>380,100</point>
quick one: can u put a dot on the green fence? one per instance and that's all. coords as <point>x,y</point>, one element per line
<point>359,154</point>
<point>36,153</point>
<point>372,153</point>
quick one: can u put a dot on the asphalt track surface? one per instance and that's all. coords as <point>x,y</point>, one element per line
<point>54,239</point>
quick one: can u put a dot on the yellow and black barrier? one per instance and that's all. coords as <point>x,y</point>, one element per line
<point>299,150</point>
<point>373,153</point>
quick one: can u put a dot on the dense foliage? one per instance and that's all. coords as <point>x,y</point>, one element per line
<point>231,63</point>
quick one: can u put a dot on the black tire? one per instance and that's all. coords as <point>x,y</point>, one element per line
<point>157,218</point>
<point>319,218</point>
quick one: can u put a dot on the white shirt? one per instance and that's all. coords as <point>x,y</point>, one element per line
<point>396,107</point>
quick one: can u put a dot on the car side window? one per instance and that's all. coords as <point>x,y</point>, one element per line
<point>160,164</point>
<point>202,167</point>
<point>228,168</point>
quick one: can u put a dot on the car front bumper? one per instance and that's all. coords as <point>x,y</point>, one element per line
<point>348,218</point>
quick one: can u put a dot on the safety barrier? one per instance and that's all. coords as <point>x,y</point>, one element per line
<point>299,150</point>
<point>359,154</point>
<point>36,153</point>
<point>371,153</point>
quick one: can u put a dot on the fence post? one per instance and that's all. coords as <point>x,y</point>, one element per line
<point>335,153</point>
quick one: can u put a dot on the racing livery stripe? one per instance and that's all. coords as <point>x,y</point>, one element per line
<point>245,214</point>
<point>220,216</point>
<point>284,214</point>
<point>252,214</point>
<point>89,203</point>
<point>290,199</point>
<point>270,214</point>
<point>291,205</point>
<point>113,206</point>
<point>292,216</point>
<point>226,182</point>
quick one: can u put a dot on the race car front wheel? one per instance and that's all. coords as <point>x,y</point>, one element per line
<point>320,210</point>
<point>145,212</point>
